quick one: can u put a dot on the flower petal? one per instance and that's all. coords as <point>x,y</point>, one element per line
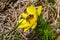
<point>27,28</point>
<point>24,15</point>
<point>33,27</point>
<point>24,24</point>
<point>31,10</point>
<point>20,20</point>
<point>39,10</point>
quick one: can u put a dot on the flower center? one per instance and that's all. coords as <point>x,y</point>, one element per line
<point>29,18</point>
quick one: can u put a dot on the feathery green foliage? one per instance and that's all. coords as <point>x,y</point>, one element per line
<point>44,29</point>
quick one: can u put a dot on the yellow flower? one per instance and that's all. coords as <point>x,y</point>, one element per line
<point>30,18</point>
